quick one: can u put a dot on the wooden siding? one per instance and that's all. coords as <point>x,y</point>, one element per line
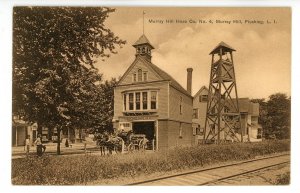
<point>201,106</point>
<point>162,134</point>
<point>173,134</point>
<point>174,106</point>
<point>138,64</point>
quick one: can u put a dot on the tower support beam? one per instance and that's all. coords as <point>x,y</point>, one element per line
<point>223,120</point>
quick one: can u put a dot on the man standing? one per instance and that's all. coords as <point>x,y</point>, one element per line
<point>27,145</point>
<point>39,146</point>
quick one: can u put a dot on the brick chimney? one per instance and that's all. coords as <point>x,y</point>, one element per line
<point>189,80</point>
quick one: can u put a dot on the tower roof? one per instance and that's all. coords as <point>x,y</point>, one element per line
<point>223,45</point>
<point>142,40</point>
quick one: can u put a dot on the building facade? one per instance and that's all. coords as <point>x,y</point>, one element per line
<point>249,111</point>
<point>21,130</point>
<point>149,101</point>
<point>199,113</point>
<point>249,120</point>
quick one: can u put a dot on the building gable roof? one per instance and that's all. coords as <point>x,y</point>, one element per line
<point>200,91</point>
<point>134,63</point>
<point>244,104</point>
<point>159,72</point>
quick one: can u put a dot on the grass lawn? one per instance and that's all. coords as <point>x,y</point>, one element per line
<point>85,169</point>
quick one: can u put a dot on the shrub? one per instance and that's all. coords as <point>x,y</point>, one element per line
<point>80,169</point>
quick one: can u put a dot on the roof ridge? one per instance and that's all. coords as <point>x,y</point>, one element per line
<point>200,90</point>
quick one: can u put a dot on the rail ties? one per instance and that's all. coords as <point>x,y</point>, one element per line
<point>214,174</point>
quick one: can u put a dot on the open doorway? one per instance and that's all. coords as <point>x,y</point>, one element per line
<point>146,128</point>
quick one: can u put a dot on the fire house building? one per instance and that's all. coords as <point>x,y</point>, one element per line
<point>149,101</point>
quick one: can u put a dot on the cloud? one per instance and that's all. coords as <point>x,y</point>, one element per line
<point>262,63</point>
<point>262,60</point>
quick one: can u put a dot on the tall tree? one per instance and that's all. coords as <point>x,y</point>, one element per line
<point>103,107</point>
<point>53,55</point>
<point>262,118</point>
<point>279,115</point>
<point>274,115</point>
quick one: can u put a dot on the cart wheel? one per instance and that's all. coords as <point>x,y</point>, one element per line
<point>141,145</point>
<point>130,147</point>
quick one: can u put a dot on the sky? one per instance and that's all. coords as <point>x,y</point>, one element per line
<point>263,51</point>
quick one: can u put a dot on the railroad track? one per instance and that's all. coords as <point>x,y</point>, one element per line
<point>212,175</point>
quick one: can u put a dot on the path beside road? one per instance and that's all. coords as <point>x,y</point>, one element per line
<point>51,148</point>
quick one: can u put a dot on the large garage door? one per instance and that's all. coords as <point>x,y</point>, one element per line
<point>146,128</point>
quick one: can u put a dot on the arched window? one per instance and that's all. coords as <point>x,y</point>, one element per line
<point>140,75</point>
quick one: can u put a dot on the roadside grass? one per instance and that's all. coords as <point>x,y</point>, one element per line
<point>82,169</point>
<point>283,179</point>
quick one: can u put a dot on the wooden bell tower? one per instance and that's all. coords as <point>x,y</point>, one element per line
<point>223,120</point>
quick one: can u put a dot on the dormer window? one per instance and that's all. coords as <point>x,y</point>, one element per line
<point>145,76</point>
<point>134,77</point>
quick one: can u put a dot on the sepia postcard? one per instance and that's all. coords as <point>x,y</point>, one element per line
<point>151,96</point>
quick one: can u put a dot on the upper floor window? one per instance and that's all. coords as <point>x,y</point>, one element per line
<point>140,100</point>
<point>130,101</point>
<point>145,76</point>
<point>203,98</point>
<point>137,101</point>
<point>195,113</point>
<point>153,99</point>
<point>140,75</point>
<point>124,102</point>
<point>145,100</point>
<point>180,105</point>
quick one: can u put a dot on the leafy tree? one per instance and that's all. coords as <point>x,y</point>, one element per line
<point>104,100</point>
<point>274,115</point>
<point>53,55</point>
<point>262,110</point>
<point>279,114</point>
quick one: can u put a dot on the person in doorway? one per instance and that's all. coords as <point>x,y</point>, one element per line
<point>40,148</point>
<point>27,145</point>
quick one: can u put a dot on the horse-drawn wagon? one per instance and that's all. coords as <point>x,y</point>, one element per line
<point>119,142</point>
<point>137,142</point>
